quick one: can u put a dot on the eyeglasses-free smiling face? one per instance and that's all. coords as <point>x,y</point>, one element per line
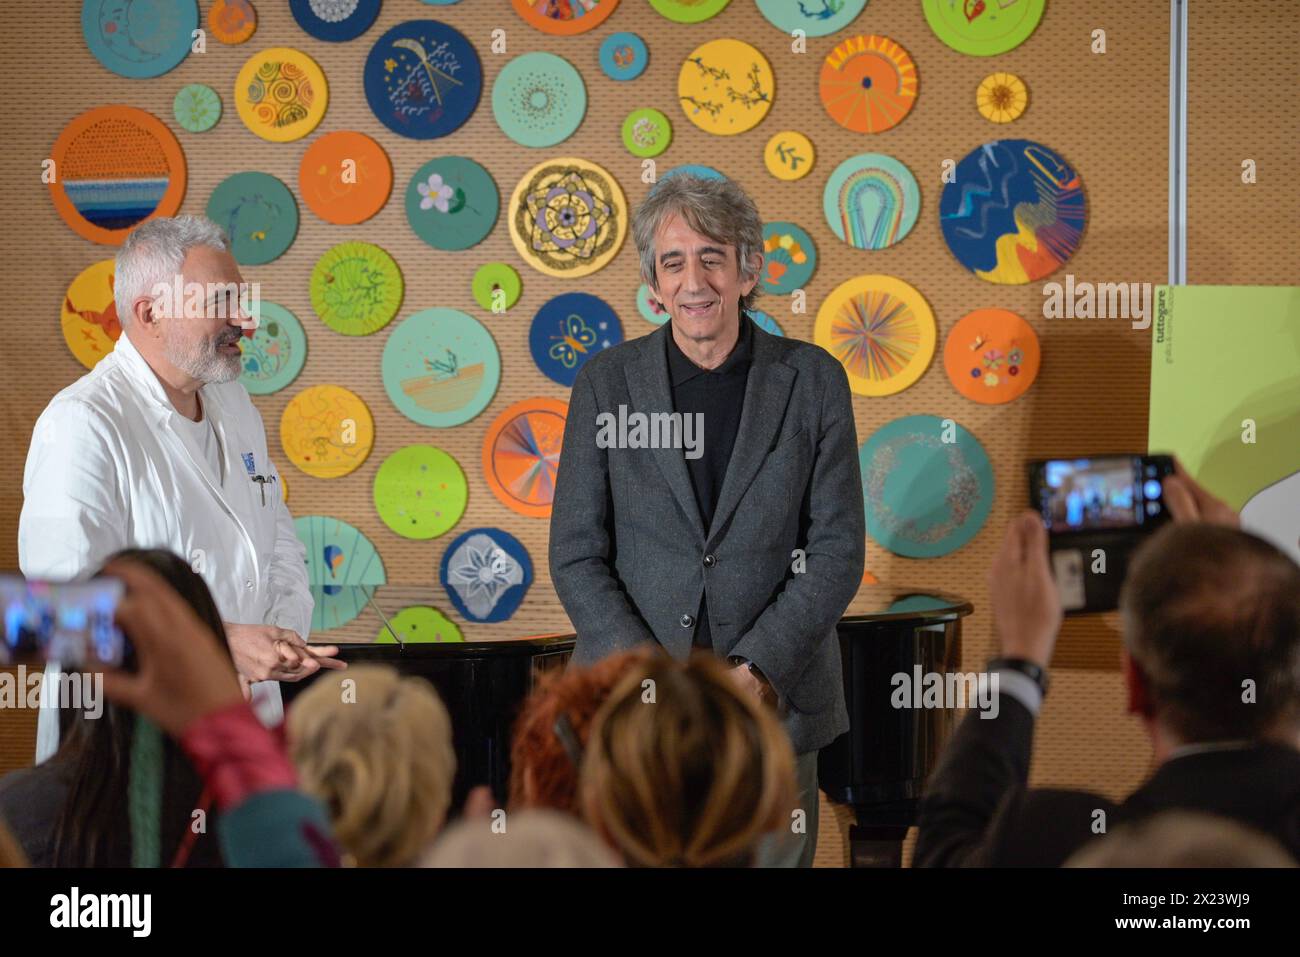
<point>698,280</point>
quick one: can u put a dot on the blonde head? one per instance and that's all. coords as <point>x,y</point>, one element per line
<point>376,748</point>
<point>683,770</point>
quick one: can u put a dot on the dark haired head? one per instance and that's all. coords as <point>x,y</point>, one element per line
<point>1212,622</point>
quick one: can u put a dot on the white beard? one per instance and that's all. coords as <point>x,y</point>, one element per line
<point>203,362</point>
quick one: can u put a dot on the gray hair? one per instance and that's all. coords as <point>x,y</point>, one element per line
<point>718,208</point>
<point>153,253</point>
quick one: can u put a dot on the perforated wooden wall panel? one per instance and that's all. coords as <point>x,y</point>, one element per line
<point>1107,114</point>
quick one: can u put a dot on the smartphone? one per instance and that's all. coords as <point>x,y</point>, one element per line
<point>1110,493</point>
<point>68,622</point>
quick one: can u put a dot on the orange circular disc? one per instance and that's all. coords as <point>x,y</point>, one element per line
<point>521,453</point>
<point>115,167</point>
<point>232,21</point>
<point>868,84</point>
<point>991,356</point>
<point>562,18</point>
<point>345,177</point>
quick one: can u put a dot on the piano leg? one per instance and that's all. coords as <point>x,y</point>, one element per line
<point>876,846</point>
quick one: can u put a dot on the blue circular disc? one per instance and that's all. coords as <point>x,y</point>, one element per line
<point>139,38</point>
<point>486,572</point>
<point>258,213</point>
<point>423,79</point>
<point>336,21</point>
<point>981,211</point>
<point>789,258</point>
<point>623,56</point>
<point>568,331</point>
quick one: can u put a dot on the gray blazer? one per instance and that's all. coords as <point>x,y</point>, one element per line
<point>630,556</point>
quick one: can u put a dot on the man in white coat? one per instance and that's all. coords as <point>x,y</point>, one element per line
<point>160,446</point>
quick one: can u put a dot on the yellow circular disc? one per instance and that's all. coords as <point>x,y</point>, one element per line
<point>882,331</point>
<point>327,431</point>
<point>789,155</point>
<point>1001,97</point>
<point>281,94</point>
<point>89,316</point>
<point>568,217</point>
<point>726,87</point>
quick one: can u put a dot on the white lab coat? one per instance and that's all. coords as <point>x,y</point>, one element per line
<point>108,469</point>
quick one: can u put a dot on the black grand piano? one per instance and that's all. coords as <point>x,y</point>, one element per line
<point>878,767</point>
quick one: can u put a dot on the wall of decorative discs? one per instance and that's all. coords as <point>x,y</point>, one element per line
<point>924,168</point>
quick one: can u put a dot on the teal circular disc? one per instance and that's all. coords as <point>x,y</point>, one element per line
<point>539,99</point>
<point>649,307</point>
<point>452,202</point>
<point>789,258</point>
<point>871,201</point>
<point>274,355</point>
<point>196,108</point>
<point>258,213</point>
<point>927,486</point>
<point>814,19</point>
<point>646,132</point>
<point>623,56</point>
<point>491,277</point>
<point>441,367</point>
<point>343,569</point>
<point>139,38</point>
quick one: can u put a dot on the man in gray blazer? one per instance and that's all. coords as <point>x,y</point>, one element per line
<point>708,494</point>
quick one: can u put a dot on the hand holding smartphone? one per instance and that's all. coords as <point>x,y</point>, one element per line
<point>69,622</point>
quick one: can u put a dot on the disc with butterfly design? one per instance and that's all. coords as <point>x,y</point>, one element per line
<point>568,331</point>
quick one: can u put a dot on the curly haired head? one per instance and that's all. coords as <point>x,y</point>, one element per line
<point>683,770</point>
<point>542,774</point>
<point>376,748</point>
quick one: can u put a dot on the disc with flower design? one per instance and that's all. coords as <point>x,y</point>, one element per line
<point>868,84</point>
<point>521,453</point>
<point>486,572</point>
<point>568,217</point>
<point>991,356</point>
<point>882,331</point>
<point>1001,97</point>
<point>452,202</point>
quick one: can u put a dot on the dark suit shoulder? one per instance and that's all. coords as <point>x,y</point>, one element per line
<point>1043,827</point>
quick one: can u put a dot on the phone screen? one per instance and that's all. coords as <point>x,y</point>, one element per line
<point>68,622</point>
<point>1101,494</point>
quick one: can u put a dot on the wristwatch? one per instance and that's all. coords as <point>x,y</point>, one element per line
<point>1034,672</point>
